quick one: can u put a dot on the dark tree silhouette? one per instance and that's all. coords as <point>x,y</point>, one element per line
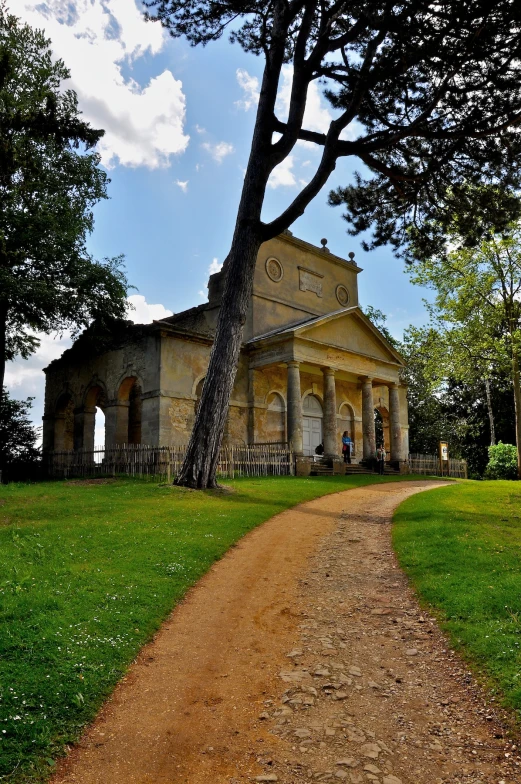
<point>50,179</point>
<point>434,90</point>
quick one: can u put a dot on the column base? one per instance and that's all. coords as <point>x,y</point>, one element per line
<point>302,465</point>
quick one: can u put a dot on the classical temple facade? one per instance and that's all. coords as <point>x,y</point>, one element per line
<point>311,366</point>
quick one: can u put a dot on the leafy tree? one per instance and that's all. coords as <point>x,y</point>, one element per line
<point>426,95</point>
<point>49,181</point>
<point>379,319</point>
<point>19,455</point>
<point>478,304</point>
<point>502,462</point>
<point>428,420</point>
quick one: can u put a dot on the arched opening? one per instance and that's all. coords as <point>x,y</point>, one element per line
<point>90,431</point>
<point>276,418</point>
<point>347,422</point>
<point>64,424</point>
<point>99,428</point>
<point>381,428</point>
<point>311,424</point>
<point>135,404</point>
<point>128,430</point>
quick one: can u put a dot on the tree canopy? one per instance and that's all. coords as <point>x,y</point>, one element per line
<point>50,179</point>
<point>423,90</point>
<point>478,309</point>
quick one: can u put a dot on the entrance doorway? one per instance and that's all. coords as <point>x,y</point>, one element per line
<point>311,424</point>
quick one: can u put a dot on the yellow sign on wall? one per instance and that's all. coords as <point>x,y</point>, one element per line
<point>444,450</point>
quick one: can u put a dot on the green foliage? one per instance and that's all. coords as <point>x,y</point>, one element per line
<point>18,452</point>
<point>461,547</point>
<point>379,319</point>
<point>502,463</point>
<point>477,312</point>
<point>50,180</point>
<point>403,72</point>
<point>88,571</point>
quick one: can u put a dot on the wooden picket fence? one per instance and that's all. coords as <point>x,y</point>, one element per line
<point>164,463</point>
<point>431,465</point>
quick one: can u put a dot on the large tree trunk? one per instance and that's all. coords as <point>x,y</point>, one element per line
<point>517,401</point>
<point>490,413</point>
<point>200,463</point>
<point>202,456</point>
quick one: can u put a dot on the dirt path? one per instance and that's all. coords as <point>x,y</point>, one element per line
<point>300,656</point>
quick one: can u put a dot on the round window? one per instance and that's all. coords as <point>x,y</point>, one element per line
<point>274,269</point>
<point>342,295</point>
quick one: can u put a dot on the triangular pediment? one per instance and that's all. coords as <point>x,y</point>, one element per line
<point>349,329</point>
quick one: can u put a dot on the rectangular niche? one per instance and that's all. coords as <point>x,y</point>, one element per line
<point>310,281</point>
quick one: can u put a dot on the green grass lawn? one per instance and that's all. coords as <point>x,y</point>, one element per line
<point>87,574</point>
<point>461,546</point>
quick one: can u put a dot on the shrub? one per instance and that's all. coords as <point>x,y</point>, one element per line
<point>19,457</point>
<point>502,462</point>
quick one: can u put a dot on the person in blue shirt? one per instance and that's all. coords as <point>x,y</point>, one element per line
<point>346,447</point>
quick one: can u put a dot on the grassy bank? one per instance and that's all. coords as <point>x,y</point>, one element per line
<point>461,546</point>
<point>87,574</point>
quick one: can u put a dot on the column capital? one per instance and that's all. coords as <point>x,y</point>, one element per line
<point>328,371</point>
<point>365,379</point>
<point>293,363</point>
<point>393,384</point>
<point>117,404</point>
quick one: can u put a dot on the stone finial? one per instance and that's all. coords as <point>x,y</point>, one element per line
<point>351,257</point>
<point>323,242</point>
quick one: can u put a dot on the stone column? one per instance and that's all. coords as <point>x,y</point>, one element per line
<point>48,433</point>
<point>78,429</point>
<point>59,433</point>
<point>116,424</point>
<point>89,423</point>
<point>329,421</point>
<point>368,418</point>
<point>294,407</point>
<point>397,440</point>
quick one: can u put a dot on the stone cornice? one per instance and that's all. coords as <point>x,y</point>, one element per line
<point>289,238</point>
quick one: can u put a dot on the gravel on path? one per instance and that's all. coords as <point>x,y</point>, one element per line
<point>301,656</point>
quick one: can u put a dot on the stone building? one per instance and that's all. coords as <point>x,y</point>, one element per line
<point>311,366</point>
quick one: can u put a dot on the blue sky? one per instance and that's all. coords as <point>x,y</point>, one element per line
<point>178,124</point>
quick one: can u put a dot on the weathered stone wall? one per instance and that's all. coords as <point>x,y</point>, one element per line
<point>183,367</point>
<point>294,280</point>
<point>87,381</point>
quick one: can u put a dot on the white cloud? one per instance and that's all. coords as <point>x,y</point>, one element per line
<point>251,88</point>
<point>199,129</point>
<point>283,175</point>
<point>182,185</point>
<point>144,312</point>
<point>144,123</point>
<point>219,150</point>
<point>24,377</point>
<point>203,294</point>
<point>215,266</point>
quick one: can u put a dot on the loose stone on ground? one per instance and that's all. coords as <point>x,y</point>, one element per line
<point>390,704</point>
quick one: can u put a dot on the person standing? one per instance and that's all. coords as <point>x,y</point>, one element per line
<point>346,447</point>
<point>380,458</point>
